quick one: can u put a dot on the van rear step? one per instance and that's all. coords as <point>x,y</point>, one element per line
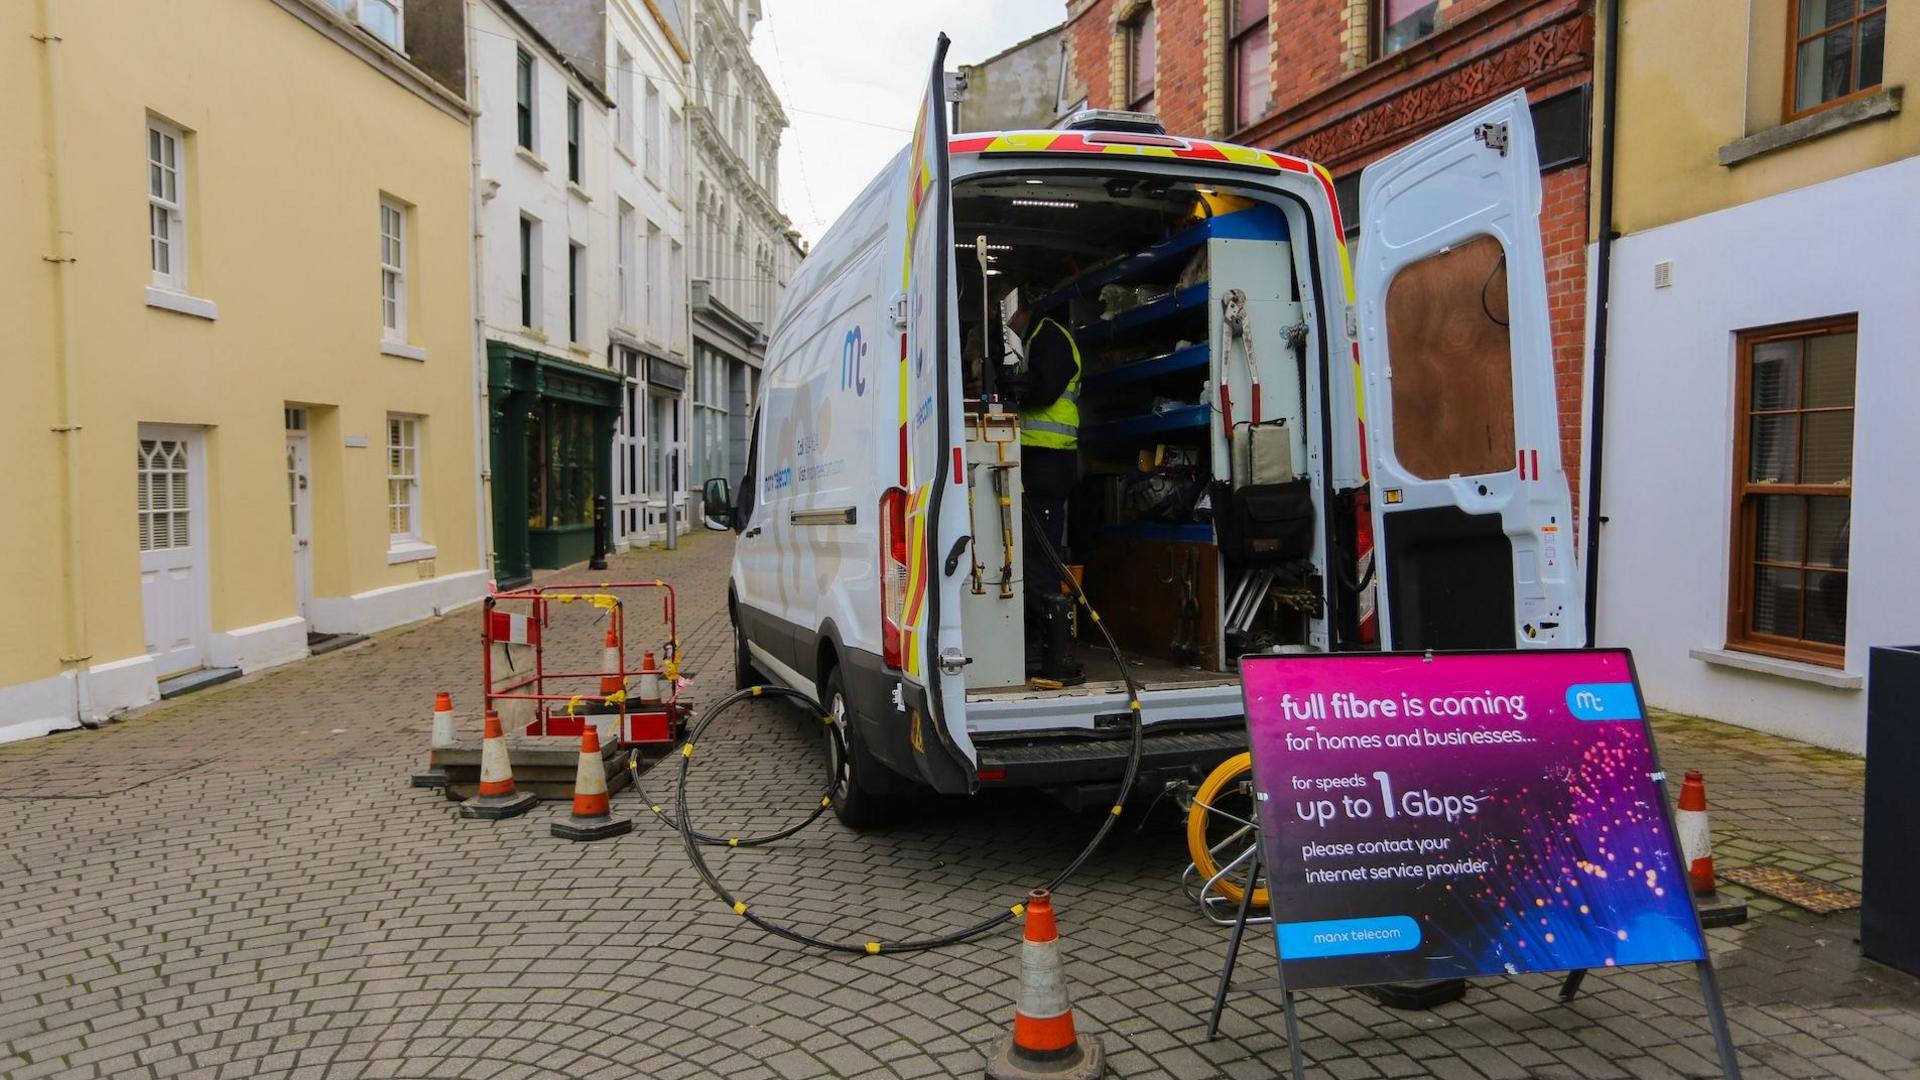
<point>1070,762</point>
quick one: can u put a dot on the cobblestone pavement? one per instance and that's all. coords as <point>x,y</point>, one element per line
<point>240,883</point>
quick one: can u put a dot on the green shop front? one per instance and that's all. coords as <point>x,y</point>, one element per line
<point>551,424</point>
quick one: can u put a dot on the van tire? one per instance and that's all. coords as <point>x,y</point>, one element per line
<point>743,674</point>
<point>856,802</point>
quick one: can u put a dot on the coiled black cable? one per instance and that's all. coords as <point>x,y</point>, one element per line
<point>693,839</point>
<point>826,799</point>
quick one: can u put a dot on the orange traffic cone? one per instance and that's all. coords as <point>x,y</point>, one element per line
<point>497,798</point>
<point>615,680</point>
<point>592,817</point>
<point>1043,1042</point>
<point>436,774</point>
<point>649,681</point>
<point>1696,834</point>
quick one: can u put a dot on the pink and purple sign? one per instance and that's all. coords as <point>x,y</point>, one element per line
<point>1455,815</point>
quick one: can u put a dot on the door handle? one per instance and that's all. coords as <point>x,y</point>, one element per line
<point>751,533</point>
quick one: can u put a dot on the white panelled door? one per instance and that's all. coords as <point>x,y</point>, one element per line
<point>300,511</point>
<point>173,546</point>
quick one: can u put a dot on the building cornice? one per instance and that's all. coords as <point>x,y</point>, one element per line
<point>378,55</point>
<point>715,148</point>
<point>737,51</point>
<point>673,38</point>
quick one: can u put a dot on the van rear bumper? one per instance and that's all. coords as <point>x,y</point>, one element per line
<point>1083,770</point>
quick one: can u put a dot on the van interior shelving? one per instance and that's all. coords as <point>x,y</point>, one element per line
<point>1138,269</point>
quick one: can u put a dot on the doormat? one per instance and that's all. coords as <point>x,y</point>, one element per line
<point>1819,897</point>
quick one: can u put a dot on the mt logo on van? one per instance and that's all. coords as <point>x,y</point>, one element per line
<point>853,363</point>
<point>1131,365</point>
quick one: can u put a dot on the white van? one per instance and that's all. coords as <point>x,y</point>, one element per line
<point>1405,408</point>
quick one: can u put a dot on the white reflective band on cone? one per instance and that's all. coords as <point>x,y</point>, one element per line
<point>493,760</point>
<point>1043,982</point>
<point>1696,839</point>
<point>591,779</point>
<point>442,728</point>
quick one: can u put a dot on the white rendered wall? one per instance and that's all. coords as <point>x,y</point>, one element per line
<point>650,186</point>
<point>513,183</point>
<point>1845,246</point>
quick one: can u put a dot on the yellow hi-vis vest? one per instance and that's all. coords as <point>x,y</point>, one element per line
<point>1057,426</point>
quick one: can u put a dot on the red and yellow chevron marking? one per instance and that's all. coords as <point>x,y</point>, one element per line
<point>916,578</point>
<point>1076,142</point>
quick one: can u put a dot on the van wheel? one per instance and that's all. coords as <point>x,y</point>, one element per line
<point>855,802</point>
<point>743,674</point>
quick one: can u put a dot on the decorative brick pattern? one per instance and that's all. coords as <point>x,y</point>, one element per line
<point>241,884</point>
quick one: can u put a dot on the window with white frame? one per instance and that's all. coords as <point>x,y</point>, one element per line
<point>381,18</point>
<point>709,415</point>
<point>529,273</point>
<point>576,293</point>
<point>403,479</point>
<point>167,203</point>
<point>675,126</point>
<point>676,295</point>
<point>650,115</point>
<point>623,102</point>
<point>393,270</point>
<point>525,115</point>
<point>656,294</point>
<point>623,267</point>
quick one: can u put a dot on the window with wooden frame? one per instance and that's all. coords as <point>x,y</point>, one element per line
<point>1400,23</point>
<point>1793,491</point>
<point>393,270</point>
<point>523,111</point>
<point>1247,50</point>
<point>1836,51</point>
<point>1140,49</point>
<point>167,204</point>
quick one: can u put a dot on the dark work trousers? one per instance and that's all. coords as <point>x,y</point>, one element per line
<point>1047,479</point>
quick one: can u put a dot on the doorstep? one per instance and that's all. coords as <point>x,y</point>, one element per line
<point>198,679</point>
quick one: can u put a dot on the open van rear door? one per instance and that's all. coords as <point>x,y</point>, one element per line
<point>1472,512</point>
<point>930,434</point>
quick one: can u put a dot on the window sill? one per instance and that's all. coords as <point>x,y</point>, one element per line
<point>654,179</point>
<point>168,300</point>
<point>529,157</point>
<point>1796,670</point>
<point>1794,132</point>
<point>578,192</point>
<point>411,551</point>
<point>579,350</point>
<point>402,350</point>
<point>627,153</point>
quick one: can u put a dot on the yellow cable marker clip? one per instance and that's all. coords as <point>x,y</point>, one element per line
<point>686,750</point>
<point>1116,809</point>
<point>739,907</point>
<point>733,841</point>
<point>826,800</point>
<point>655,808</point>
<point>1019,910</point>
<point>826,719</point>
<point>756,691</point>
<point>1134,705</point>
<point>873,948</point>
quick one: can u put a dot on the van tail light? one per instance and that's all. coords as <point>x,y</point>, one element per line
<point>893,575</point>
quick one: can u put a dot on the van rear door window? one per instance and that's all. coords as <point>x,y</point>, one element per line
<point>1452,363</point>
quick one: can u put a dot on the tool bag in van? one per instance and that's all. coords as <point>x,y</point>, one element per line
<point>1263,515</point>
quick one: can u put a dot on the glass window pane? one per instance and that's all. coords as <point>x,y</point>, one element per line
<point>1252,79</point>
<point>1452,381</point>
<point>1827,530</point>
<point>1825,69</point>
<point>1826,452</point>
<point>1776,601</point>
<point>1829,369</point>
<point>1776,375</point>
<point>1873,51</point>
<point>1778,528</point>
<point>1819,14</point>
<point>1773,451</point>
<point>1405,22</point>
<point>1827,607</point>
<point>1248,12</point>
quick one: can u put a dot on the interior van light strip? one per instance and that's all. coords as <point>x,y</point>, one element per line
<point>839,515</point>
<point>1047,204</point>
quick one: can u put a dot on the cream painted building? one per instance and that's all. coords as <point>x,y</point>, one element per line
<point>242,382</point>
<point>1762,388</point>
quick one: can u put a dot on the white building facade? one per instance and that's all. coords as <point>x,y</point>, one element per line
<point>1808,385</point>
<point>741,248</point>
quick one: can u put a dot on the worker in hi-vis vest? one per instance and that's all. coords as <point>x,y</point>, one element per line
<point>1049,450</point>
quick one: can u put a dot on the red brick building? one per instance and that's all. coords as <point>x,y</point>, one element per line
<point>1343,82</point>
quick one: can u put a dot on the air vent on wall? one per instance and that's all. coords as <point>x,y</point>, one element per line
<point>1663,274</point>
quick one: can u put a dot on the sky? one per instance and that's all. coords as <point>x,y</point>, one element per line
<point>850,74</point>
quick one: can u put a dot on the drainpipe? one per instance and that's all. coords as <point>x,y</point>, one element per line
<point>477,266</point>
<point>77,654</point>
<point>1602,287</point>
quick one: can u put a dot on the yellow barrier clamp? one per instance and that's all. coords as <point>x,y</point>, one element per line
<point>573,703</point>
<point>608,601</point>
<point>618,697</point>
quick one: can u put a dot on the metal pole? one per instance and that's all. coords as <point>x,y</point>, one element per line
<point>1602,298</point>
<point>1233,942</point>
<point>673,490</point>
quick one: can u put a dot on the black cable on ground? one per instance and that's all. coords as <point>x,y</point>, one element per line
<point>693,839</point>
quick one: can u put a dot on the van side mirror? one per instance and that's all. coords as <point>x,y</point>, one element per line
<point>718,497</point>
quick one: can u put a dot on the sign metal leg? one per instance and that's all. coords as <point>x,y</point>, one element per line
<point>1233,943</point>
<point>1571,986</point>
<point>1717,1018</point>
